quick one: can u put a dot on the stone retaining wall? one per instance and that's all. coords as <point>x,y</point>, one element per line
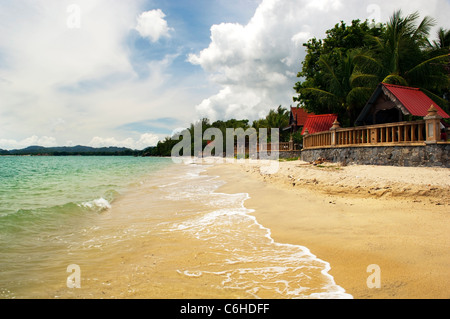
<point>290,154</point>
<point>426,155</point>
<point>285,154</point>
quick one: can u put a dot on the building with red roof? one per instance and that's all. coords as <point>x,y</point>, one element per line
<point>391,103</point>
<point>297,118</point>
<point>319,123</point>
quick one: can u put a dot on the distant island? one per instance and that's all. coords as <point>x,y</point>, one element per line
<point>73,151</point>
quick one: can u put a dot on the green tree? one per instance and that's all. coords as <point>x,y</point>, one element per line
<point>443,41</point>
<point>441,47</point>
<point>340,72</point>
<point>330,84</point>
<point>164,148</point>
<point>403,55</point>
<point>278,119</point>
<point>345,91</point>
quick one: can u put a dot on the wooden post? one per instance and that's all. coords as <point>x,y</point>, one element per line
<point>291,143</point>
<point>420,131</point>
<point>373,136</point>
<point>432,126</point>
<point>334,136</point>
<point>306,139</point>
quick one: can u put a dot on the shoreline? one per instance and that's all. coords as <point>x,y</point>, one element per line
<point>396,219</point>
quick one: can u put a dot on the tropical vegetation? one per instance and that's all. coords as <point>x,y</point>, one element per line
<point>276,118</point>
<point>340,72</point>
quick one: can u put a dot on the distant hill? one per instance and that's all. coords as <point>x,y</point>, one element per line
<point>71,150</point>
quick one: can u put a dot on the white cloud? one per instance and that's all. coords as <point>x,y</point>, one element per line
<point>299,38</point>
<point>144,141</point>
<point>76,83</point>
<point>34,140</point>
<point>66,84</point>
<point>44,59</point>
<point>253,63</point>
<point>256,64</point>
<point>147,140</point>
<point>151,25</point>
<point>325,5</point>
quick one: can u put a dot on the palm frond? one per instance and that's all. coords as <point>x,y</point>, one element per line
<point>374,41</point>
<point>358,96</point>
<point>317,92</point>
<point>436,98</point>
<point>395,79</point>
<point>368,63</point>
<point>443,41</point>
<point>423,30</point>
<point>326,100</point>
<point>424,72</point>
<point>408,24</point>
<point>330,70</point>
<point>363,80</point>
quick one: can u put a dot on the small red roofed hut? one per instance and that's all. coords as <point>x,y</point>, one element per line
<point>391,103</point>
<point>297,118</point>
<point>319,123</point>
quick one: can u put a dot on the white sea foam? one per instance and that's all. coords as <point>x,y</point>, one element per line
<point>99,203</point>
<point>191,273</point>
<point>255,263</point>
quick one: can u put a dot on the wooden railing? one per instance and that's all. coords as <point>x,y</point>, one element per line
<point>317,140</point>
<point>392,133</point>
<point>282,147</point>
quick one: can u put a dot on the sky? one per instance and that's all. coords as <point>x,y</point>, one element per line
<point>129,73</point>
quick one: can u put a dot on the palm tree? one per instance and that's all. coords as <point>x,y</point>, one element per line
<point>278,118</point>
<point>347,89</point>
<point>443,41</point>
<point>441,47</point>
<point>402,56</point>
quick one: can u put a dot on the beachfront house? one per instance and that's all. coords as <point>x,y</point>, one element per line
<point>303,121</point>
<point>297,119</point>
<point>394,103</point>
<point>319,123</point>
<point>394,114</point>
<point>399,125</point>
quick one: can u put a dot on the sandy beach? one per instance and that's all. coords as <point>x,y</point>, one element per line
<point>354,216</point>
<point>233,231</point>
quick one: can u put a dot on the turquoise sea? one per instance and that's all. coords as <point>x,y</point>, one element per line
<point>36,185</point>
<point>133,227</point>
<point>45,201</point>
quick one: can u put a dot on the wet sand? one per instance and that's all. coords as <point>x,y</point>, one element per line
<point>178,236</point>
<point>355,216</point>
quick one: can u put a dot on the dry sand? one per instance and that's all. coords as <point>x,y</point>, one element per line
<point>356,216</point>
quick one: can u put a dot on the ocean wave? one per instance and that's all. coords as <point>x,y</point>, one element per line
<point>41,218</point>
<point>254,262</point>
<point>100,204</point>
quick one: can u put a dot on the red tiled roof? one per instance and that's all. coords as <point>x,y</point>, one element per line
<point>319,123</point>
<point>414,100</point>
<point>299,115</point>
